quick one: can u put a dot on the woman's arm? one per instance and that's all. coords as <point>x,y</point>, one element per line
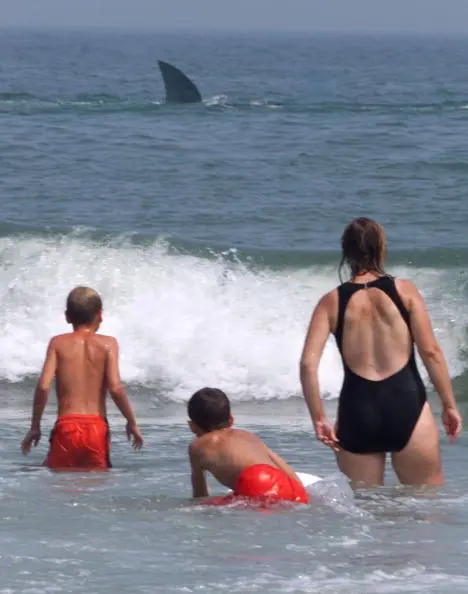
<point>316,338</point>
<point>433,358</point>
<point>428,347</point>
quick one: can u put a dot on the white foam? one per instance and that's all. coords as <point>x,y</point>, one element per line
<point>183,321</point>
<point>417,579</point>
<point>324,580</point>
<point>216,100</point>
<point>265,103</point>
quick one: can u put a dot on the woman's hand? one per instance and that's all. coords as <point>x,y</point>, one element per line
<point>452,421</point>
<point>325,432</point>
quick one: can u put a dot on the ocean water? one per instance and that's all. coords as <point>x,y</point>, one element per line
<point>211,231</point>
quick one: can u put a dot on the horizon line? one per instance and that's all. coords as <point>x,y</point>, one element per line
<point>237,30</point>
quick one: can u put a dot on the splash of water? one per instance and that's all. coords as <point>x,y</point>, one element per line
<point>185,321</point>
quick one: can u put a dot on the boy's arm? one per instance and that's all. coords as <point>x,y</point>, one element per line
<point>117,391</point>
<point>41,395</point>
<point>199,486</point>
<point>283,465</point>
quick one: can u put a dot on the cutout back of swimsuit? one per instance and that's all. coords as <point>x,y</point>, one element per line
<point>386,284</point>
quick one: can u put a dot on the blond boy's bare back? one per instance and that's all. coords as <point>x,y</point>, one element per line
<point>83,366</point>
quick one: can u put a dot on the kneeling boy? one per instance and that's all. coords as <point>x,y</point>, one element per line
<point>86,366</point>
<point>237,459</point>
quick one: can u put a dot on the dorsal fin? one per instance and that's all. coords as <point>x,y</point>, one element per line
<point>179,88</point>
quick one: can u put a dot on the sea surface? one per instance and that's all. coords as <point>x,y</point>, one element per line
<point>211,231</point>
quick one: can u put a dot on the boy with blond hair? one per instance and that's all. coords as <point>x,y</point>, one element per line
<point>85,366</point>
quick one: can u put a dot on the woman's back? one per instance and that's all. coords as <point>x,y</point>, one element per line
<point>374,337</point>
<point>382,405</point>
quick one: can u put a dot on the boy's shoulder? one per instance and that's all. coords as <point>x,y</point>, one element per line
<point>195,449</point>
<point>105,339</point>
<point>226,436</point>
<point>69,337</point>
<point>201,443</point>
<point>59,339</point>
<point>244,434</point>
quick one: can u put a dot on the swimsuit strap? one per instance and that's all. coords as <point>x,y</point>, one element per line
<point>387,285</point>
<point>347,290</point>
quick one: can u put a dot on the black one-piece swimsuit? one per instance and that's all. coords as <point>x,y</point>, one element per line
<point>377,416</point>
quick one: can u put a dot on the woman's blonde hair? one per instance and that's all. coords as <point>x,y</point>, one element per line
<point>363,247</point>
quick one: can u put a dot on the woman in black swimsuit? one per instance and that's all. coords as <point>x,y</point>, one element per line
<point>376,321</point>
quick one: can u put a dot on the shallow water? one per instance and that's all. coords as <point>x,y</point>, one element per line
<point>136,529</point>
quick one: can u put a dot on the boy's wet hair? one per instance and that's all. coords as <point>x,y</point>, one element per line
<point>209,409</point>
<point>83,305</point>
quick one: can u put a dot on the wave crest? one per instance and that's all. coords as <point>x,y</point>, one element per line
<point>185,321</point>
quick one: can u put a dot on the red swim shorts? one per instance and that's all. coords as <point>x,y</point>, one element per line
<point>79,442</point>
<point>265,481</point>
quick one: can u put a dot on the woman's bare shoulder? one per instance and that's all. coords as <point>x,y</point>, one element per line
<point>329,299</point>
<point>405,286</point>
<point>407,291</point>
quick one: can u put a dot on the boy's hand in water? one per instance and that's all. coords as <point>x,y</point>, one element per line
<point>325,432</point>
<point>33,437</point>
<point>452,421</point>
<point>134,435</point>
